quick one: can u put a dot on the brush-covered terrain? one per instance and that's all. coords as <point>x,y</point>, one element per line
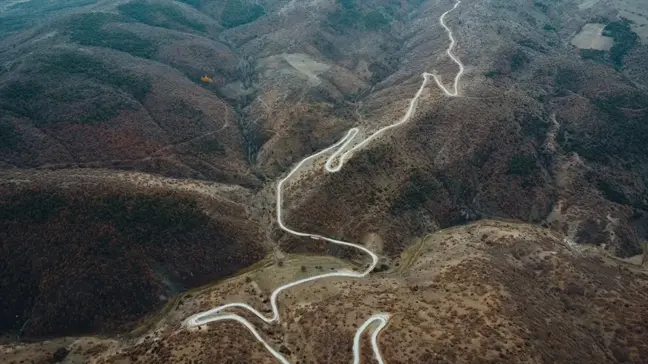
<point>141,142</point>
<point>487,292</point>
<point>80,259</point>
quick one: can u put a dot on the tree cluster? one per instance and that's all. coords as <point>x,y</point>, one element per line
<point>159,15</point>
<point>349,16</point>
<point>624,40</point>
<point>78,261</point>
<point>239,12</point>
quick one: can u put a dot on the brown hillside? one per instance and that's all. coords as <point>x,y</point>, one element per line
<point>98,259</point>
<point>488,292</point>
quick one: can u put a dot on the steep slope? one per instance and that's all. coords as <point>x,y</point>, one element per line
<point>292,80</point>
<point>89,88</point>
<point>538,134</point>
<point>99,90</point>
<point>482,293</point>
<point>99,257</point>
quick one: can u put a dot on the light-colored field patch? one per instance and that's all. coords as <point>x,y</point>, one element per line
<point>591,37</point>
<point>634,10</point>
<point>308,66</point>
<point>296,64</point>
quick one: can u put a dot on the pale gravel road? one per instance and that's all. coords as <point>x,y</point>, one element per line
<point>333,164</point>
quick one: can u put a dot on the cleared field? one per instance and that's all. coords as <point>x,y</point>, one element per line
<point>298,65</point>
<point>591,37</point>
<point>633,10</point>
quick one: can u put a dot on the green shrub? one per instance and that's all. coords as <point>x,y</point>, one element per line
<point>492,74</point>
<point>543,7</point>
<point>593,54</point>
<point>211,146</point>
<point>517,60</point>
<point>522,165</point>
<point>238,12</point>
<point>611,193</point>
<point>624,40</point>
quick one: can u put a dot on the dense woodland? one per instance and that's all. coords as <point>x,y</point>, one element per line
<point>84,260</point>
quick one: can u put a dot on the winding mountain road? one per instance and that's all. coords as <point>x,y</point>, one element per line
<point>333,164</point>
<point>455,84</point>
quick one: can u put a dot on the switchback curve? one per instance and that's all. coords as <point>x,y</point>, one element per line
<point>333,164</point>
